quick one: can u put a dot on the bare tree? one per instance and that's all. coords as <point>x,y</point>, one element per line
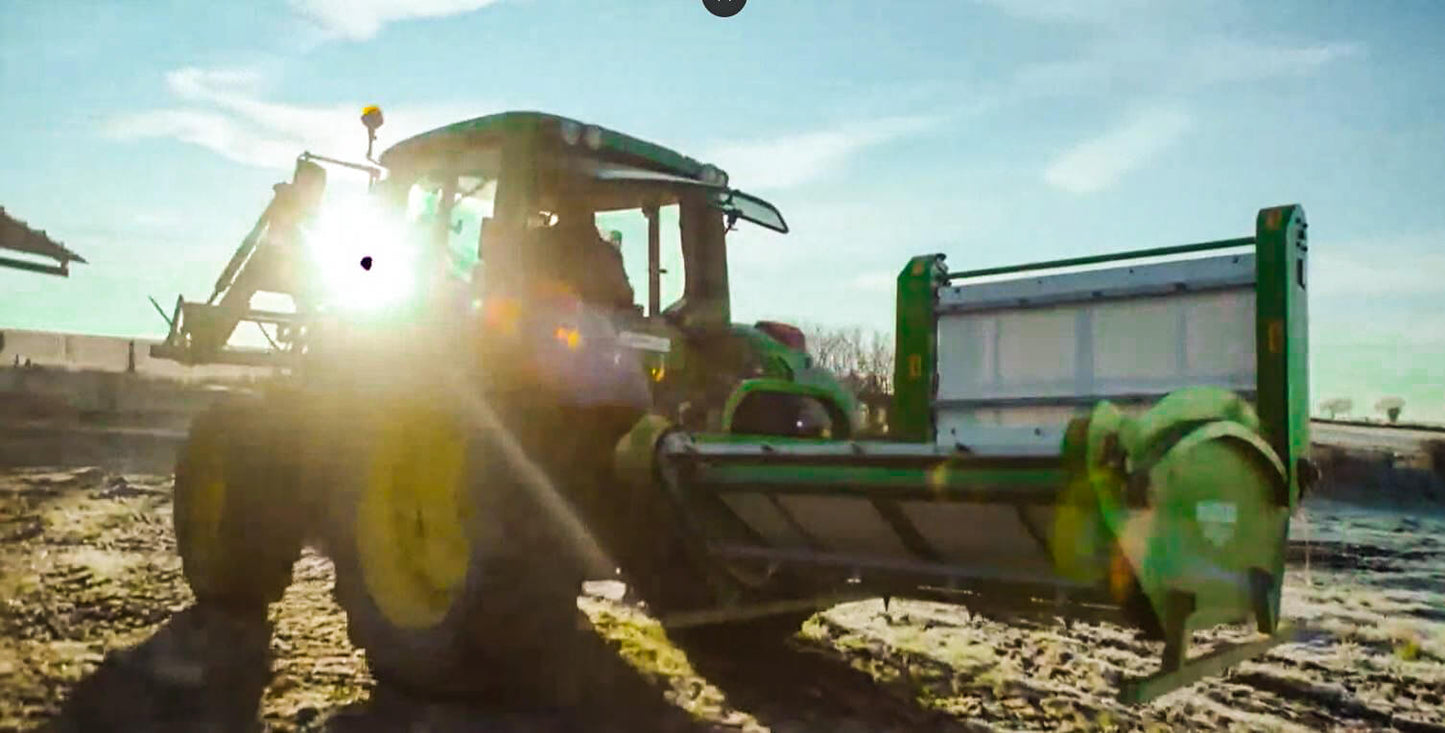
<point>863,360</point>
<point>1391,406</point>
<point>1337,406</point>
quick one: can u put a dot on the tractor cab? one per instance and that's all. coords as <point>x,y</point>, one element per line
<point>523,197</point>
<point>509,214</point>
<point>525,204</point>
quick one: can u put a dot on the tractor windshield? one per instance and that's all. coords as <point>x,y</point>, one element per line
<point>472,201</point>
<point>665,231</point>
<point>732,202</point>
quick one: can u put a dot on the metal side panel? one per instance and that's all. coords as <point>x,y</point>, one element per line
<point>983,431</point>
<point>1225,272</point>
<point>846,525</point>
<point>767,518</point>
<point>984,535</point>
<point>1037,367</point>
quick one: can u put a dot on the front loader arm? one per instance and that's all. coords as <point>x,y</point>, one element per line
<point>264,262</point>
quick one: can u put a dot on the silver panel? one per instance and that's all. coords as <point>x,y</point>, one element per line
<point>866,565</point>
<point>1114,283</point>
<point>836,449</point>
<point>987,535</point>
<point>1030,368</point>
<point>845,525</point>
<point>957,427</point>
<point>759,512</point>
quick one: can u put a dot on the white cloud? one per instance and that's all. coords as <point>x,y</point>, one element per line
<point>1399,266</point>
<point>1073,11</point>
<point>791,160</point>
<point>1116,66</point>
<point>1098,164</point>
<point>1160,46</point>
<point>211,130</point>
<point>238,92</point>
<point>875,282</point>
<point>1227,60</point>
<point>359,20</point>
<point>194,83</point>
<point>227,114</point>
<point>1391,328</point>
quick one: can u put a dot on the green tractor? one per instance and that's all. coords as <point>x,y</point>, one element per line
<point>461,362</point>
<point>475,416</point>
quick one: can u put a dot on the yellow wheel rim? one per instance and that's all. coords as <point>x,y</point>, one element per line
<point>412,518</point>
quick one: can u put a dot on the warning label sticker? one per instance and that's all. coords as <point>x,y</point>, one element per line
<point>1217,520</point>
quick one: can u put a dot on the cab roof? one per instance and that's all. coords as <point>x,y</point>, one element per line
<point>492,128</point>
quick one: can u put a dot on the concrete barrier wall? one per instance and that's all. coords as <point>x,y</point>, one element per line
<point>40,393</point>
<point>78,352</point>
<point>104,380</point>
<point>1382,477</point>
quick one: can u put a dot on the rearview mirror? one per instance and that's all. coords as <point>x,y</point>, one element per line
<point>739,205</point>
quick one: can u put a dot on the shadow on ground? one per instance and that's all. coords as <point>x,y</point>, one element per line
<point>207,670</point>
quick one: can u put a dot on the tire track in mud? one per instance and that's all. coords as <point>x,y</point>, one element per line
<point>87,569</point>
<point>1335,700</point>
<point>71,590</point>
<point>97,616</point>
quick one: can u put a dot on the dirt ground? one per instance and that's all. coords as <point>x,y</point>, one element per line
<point>96,633</point>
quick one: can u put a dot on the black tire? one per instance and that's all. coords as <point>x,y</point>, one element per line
<point>237,520</point>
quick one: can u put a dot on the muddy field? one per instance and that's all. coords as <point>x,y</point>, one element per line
<point>95,632</point>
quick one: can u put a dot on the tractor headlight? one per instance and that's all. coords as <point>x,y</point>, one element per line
<point>593,134</point>
<point>714,175</point>
<point>571,132</point>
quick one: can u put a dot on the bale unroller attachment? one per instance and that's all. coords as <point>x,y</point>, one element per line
<point>1169,521</point>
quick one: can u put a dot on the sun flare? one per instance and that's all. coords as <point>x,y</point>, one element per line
<point>364,258</point>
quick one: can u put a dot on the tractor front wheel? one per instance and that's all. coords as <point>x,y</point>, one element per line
<point>237,520</point>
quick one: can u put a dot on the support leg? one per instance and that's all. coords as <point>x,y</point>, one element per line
<point>1176,630</point>
<point>1177,670</point>
<point>1261,587</point>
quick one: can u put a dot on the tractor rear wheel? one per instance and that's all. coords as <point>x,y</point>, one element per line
<point>455,578</point>
<point>237,521</point>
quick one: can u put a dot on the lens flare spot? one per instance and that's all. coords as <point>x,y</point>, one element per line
<point>569,336</point>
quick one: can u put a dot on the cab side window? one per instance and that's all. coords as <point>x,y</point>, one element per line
<point>631,226</point>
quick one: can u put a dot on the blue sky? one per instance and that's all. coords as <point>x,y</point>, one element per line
<point>146,135</point>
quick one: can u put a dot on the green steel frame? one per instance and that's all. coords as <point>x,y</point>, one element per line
<point>915,372</point>
<point>1282,339</point>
